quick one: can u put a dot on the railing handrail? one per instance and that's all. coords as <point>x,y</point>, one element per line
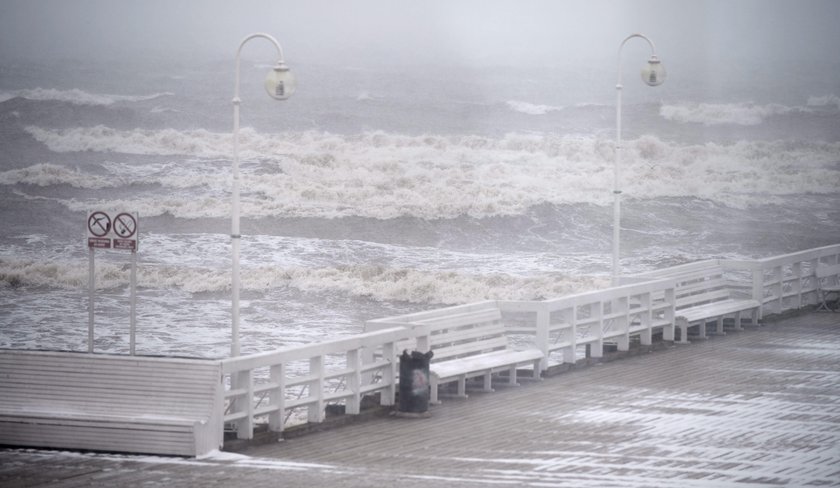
<point>307,351</point>
<point>593,296</point>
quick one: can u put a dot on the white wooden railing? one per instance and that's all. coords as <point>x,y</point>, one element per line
<point>782,283</point>
<point>273,384</point>
<point>615,314</point>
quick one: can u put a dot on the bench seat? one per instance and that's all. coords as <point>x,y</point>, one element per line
<point>482,365</point>
<point>473,344</point>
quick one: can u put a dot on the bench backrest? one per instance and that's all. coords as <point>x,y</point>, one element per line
<point>824,271</point>
<point>466,334</point>
<point>97,384</point>
<point>700,284</point>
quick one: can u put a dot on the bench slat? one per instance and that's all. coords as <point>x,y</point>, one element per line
<point>473,347</point>
<point>484,362</point>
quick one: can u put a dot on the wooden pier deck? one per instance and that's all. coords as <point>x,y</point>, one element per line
<point>760,407</point>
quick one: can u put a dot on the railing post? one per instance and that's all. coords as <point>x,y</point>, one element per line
<point>245,426</point>
<point>596,349</point>
<point>670,313</point>
<point>778,289</point>
<point>813,285</point>
<point>622,322</point>
<point>389,374</point>
<point>541,337</point>
<point>569,353</point>
<point>277,397</point>
<point>646,336</point>
<point>354,380</point>
<point>797,287</point>
<point>316,389</point>
<point>758,288</point>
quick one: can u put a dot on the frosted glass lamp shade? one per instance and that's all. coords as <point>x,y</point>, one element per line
<point>654,73</point>
<point>280,83</point>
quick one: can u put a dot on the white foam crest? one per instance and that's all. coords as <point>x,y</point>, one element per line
<point>825,101</point>
<point>381,175</point>
<point>46,174</point>
<point>78,97</point>
<point>170,175</point>
<point>200,143</point>
<point>724,113</point>
<point>437,287</point>
<point>531,108</point>
<point>368,281</point>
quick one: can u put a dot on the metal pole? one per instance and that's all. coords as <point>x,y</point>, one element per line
<point>616,260</point>
<point>616,264</point>
<point>235,235</point>
<point>91,284</point>
<point>133,328</point>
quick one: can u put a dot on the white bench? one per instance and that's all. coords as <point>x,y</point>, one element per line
<point>110,403</point>
<point>473,344</point>
<point>703,295</point>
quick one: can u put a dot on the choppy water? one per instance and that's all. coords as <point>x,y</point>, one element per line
<point>374,192</point>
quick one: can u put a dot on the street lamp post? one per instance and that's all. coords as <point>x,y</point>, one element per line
<point>280,85</point>
<point>653,75</point>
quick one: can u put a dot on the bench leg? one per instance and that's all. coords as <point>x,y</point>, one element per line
<point>568,355</point>
<point>701,328</point>
<point>512,376</point>
<point>682,325</point>
<point>738,321</point>
<point>433,384</point>
<point>488,381</point>
<point>538,369</point>
<point>624,343</point>
<point>646,337</point>
<point>719,330</point>
<point>668,332</point>
<point>462,386</point>
<point>596,349</point>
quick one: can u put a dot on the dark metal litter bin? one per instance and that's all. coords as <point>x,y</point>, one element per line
<point>414,383</point>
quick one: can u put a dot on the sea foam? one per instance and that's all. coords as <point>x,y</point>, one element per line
<point>531,108</point>
<point>740,113</point>
<point>380,283</point>
<point>76,96</point>
<point>381,175</point>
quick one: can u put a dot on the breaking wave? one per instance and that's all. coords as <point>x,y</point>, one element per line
<point>76,96</point>
<point>530,108</point>
<point>364,281</point>
<point>724,113</point>
<point>741,113</point>
<point>383,176</point>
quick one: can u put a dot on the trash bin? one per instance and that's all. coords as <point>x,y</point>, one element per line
<point>414,383</point>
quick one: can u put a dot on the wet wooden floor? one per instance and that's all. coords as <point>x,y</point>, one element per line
<point>760,407</point>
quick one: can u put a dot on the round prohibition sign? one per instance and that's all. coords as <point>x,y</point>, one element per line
<point>124,225</point>
<point>99,224</point>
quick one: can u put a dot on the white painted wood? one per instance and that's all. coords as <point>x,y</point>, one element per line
<point>703,295</point>
<point>110,403</point>
<point>828,283</point>
<point>365,372</point>
<point>472,344</point>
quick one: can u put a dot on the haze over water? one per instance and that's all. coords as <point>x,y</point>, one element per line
<point>435,153</point>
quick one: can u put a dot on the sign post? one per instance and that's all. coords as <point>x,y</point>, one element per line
<point>119,233</point>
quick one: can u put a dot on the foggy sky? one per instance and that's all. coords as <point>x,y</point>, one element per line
<point>468,32</point>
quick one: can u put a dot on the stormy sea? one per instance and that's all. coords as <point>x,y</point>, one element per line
<point>377,190</point>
